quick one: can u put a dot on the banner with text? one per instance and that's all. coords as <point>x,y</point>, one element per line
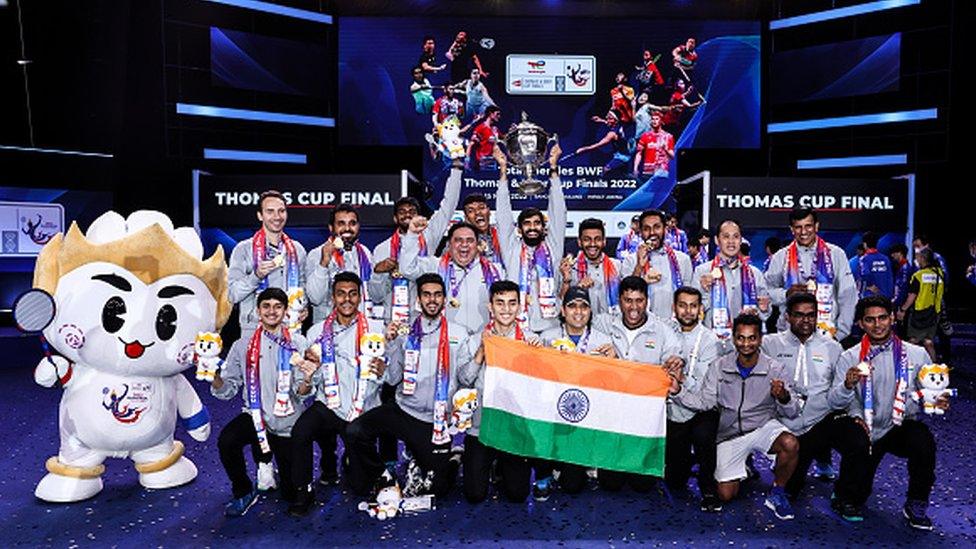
<point>232,200</point>
<point>841,204</point>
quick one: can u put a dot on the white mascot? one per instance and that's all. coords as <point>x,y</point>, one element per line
<point>131,295</point>
<point>934,379</point>
<point>206,355</point>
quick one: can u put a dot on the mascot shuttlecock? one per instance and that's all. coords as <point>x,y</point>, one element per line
<point>131,295</point>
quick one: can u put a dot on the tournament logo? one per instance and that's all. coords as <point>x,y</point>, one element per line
<point>127,405</point>
<point>573,405</point>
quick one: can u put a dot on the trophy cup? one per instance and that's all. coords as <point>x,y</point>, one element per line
<point>525,146</point>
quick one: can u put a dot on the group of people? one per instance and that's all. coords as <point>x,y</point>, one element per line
<point>396,331</point>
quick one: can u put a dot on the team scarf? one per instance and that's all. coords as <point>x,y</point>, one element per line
<point>259,250</point>
<point>539,261</point>
<point>902,374</point>
<point>442,377</point>
<point>365,271</point>
<point>448,271</point>
<point>823,266</point>
<point>252,379</point>
<point>496,247</point>
<point>331,372</point>
<point>721,308</point>
<point>400,310</point>
<point>672,262</point>
<point>519,334</point>
<point>611,279</point>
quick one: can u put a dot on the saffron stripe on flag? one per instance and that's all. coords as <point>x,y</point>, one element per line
<point>597,372</point>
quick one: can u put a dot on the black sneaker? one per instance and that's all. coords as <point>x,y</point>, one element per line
<point>846,510</point>
<point>542,489</point>
<point>304,499</point>
<point>711,504</point>
<point>915,511</point>
<point>328,480</point>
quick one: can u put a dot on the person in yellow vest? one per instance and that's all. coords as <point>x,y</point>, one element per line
<point>924,302</point>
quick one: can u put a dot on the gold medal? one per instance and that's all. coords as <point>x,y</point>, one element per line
<point>812,286</point>
<point>717,273</point>
<point>455,303</point>
<point>403,329</point>
<point>396,274</point>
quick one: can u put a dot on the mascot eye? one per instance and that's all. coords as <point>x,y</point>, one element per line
<point>166,322</point>
<point>112,313</point>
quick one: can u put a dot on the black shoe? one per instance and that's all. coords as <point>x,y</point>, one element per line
<point>304,500</point>
<point>915,512</point>
<point>711,504</point>
<point>328,480</point>
<point>384,480</point>
<point>847,511</point>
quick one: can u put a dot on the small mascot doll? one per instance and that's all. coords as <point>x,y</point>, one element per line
<point>131,295</point>
<point>371,345</point>
<point>934,379</point>
<point>206,354</point>
<point>387,503</point>
<point>448,141</point>
<point>465,403</point>
<point>296,304</point>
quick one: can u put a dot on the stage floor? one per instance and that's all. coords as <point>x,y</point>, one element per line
<point>127,515</point>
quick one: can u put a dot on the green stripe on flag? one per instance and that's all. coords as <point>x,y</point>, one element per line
<point>571,444</point>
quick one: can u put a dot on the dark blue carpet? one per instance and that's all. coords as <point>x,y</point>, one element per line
<point>127,515</point>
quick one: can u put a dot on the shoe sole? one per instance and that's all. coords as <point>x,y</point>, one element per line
<point>771,507</point>
<point>915,526</point>
<point>246,509</point>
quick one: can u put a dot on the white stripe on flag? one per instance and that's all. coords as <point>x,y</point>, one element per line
<point>538,399</point>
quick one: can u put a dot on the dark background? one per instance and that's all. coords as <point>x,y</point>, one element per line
<point>105,77</point>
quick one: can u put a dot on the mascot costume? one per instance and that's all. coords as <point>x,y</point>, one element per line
<point>129,298</point>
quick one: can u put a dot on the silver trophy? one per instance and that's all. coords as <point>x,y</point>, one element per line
<point>526,144</point>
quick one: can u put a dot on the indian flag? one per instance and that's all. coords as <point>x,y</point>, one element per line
<point>574,408</point>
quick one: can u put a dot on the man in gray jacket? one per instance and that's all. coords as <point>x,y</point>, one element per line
<point>688,428</point>
<point>880,376</point>
<point>753,398</point>
<point>332,373</point>
<point>261,366</point>
<point>269,259</point>
<point>533,252</point>
<point>342,251</point>
<point>814,357</point>
<point>811,264</point>
<point>639,337</point>
<point>425,373</point>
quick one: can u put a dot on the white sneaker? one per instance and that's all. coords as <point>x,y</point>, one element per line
<point>266,477</point>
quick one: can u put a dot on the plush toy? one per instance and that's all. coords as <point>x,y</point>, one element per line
<point>131,296</point>
<point>448,141</point>
<point>391,502</point>
<point>934,379</point>
<point>296,304</point>
<point>465,403</point>
<point>387,503</point>
<point>206,354</point>
<point>371,345</point>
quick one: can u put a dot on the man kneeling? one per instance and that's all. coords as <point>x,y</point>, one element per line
<point>751,395</point>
